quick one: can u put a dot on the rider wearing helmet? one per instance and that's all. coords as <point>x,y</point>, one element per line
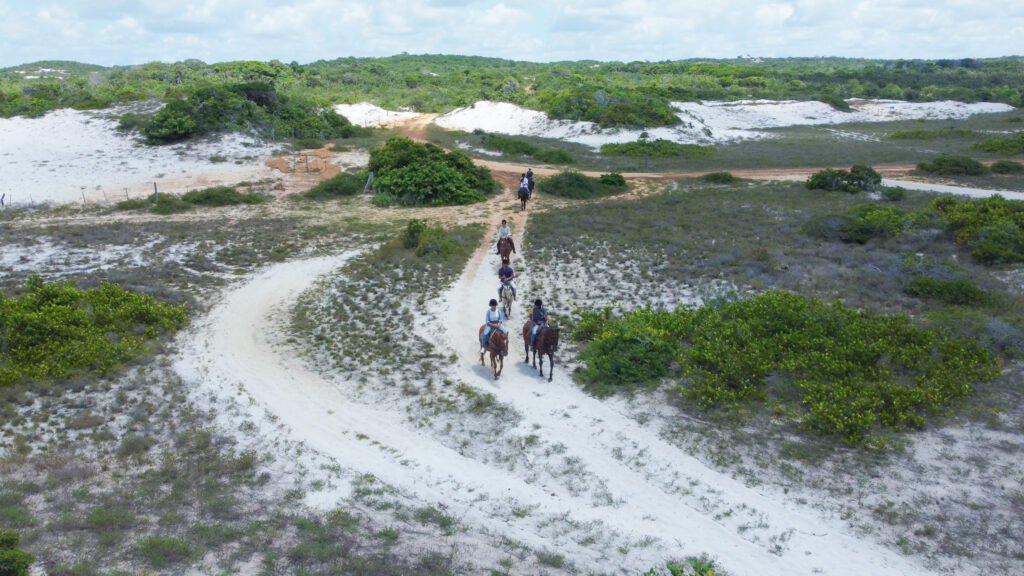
<point>539,318</point>
<point>506,275</point>
<point>495,318</point>
<point>505,232</point>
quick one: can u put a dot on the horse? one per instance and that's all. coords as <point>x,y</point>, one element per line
<point>546,343</point>
<point>531,184</point>
<point>524,196</point>
<point>497,346</point>
<point>505,298</point>
<point>505,249</point>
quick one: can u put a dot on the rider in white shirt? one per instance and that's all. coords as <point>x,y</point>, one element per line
<point>505,232</point>
<point>495,318</point>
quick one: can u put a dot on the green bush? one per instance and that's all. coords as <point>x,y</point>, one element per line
<point>572,184</point>
<point>993,228</point>
<point>1009,145</point>
<point>54,330</point>
<point>344,184</point>
<point>133,204</point>
<point>13,562</point>
<point>162,552</point>
<point>169,204</point>
<point>859,178</point>
<point>721,178</point>
<point>1007,167</point>
<point>611,107</point>
<point>953,166</point>
<point>510,145</point>
<point>413,232</point>
<point>960,292</point>
<point>613,179</point>
<point>658,149</point>
<point>221,196</point>
<point>422,174</point>
<point>834,370</point>
<point>893,193</point>
<point>869,221</point>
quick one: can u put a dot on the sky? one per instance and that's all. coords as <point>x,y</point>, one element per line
<point>119,32</point>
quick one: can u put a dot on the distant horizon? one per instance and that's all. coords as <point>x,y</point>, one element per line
<point>120,33</point>
<point>748,57</point>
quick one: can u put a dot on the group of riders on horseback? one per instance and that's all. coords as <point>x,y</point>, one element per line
<point>526,186</point>
<point>537,335</point>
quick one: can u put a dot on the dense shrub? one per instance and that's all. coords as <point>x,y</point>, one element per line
<point>859,178</point>
<point>834,370</point>
<point>53,330</point>
<point>893,193</point>
<point>13,561</point>
<point>959,292</point>
<point>414,174</point>
<point>658,149</point>
<point>1010,145</point>
<point>413,232</point>
<point>721,178</point>
<point>953,166</point>
<point>869,221</point>
<point>133,204</point>
<point>611,107</point>
<point>202,109</point>
<point>344,184</point>
<point>1007,167</point>
<point>992,227</point>
<point>221,196</point>
<point>572,184</point>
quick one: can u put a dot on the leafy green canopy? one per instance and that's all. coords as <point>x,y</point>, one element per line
<point>55,330</point>
<point>859,178</point>
<point>834,370</point>
<point>992,227</point>
<point>256,106</point>
<point>415,174</point>
<point>572,184</point>
<point>659,148</point>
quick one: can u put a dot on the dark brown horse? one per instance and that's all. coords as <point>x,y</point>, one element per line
<point>524,196</point>
<point>505,249</point>
<point>497,346</point>
<point>545,344</point>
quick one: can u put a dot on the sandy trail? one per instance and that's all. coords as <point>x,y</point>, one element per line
<point>639,488</point>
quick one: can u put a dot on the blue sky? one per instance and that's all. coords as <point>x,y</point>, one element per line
<point>122,32</point>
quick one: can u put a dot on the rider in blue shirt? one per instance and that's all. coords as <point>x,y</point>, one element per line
<point>495,318</point>
<point>506,275</point>
<point>539,318</point>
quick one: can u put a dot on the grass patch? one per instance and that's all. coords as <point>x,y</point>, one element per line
<point>162,552</point>
<point>520,147</point>
<point>657,149</point>
<point>169,204</point>
<point>932,134</point>
<point>572,184</point>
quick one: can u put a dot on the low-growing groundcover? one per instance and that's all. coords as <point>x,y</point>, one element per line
<point>659,148</point>
<point>831,369</point>
<point>412,174</point>
<point>172,204</point>
<point>55,330</point>
<point>510,145</point>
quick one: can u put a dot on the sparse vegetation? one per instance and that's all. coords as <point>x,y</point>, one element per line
<point>659,148</point>
<point>517,146</point>
<point>345,184</point>
<point>932,134</point>
<point>222,196</point>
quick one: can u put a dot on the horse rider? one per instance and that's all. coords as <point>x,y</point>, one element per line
<point>495,318</point>
<point>539,318</point>
<point>524,184</point>
<point>506,275</point>
<point>505,232</point>
<point>529,181</point>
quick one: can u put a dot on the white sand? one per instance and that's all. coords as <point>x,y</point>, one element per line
<point>68,154</point>
<point>366,114</point>
<point>707,122</point>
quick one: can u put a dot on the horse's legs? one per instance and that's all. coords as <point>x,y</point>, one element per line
<point>541,364</point>
<point>551,369</point>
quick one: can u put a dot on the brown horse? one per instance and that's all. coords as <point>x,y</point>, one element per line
<point>497,346</point>
<point>505,249</point>
<point>545,344</point>
<point>524,196</point>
